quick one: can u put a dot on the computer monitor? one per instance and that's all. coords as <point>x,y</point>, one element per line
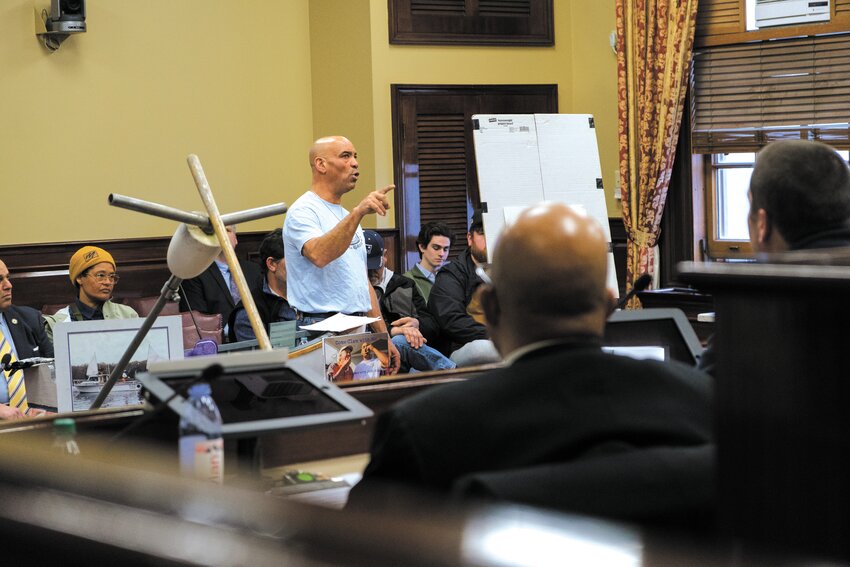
<point>668,329</point>
<point>258,393</point>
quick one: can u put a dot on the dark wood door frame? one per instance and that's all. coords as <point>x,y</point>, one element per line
<point>473,99</point>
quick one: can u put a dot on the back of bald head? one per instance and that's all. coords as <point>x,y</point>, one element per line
<point>322,146</point>
<point>803,186</point>
<point>551,264</point>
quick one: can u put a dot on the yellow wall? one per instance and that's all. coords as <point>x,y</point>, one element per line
<point>398,64</point>
<point>342,82</point>
<point>594,83</point>
<point>581,63</point>
<point>119,108</point>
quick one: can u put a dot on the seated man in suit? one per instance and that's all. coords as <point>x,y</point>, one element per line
<point>270,297</point>
<point>94,275</point>
<point>559,399</point>
<point>404,310</point>
<point>214,291</point>
<point>799,200</point>
<point>22,335</point>
<point>455,305</point>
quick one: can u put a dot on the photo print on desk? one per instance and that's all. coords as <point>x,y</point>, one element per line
<point>361,356</point>
<point>87,351</point>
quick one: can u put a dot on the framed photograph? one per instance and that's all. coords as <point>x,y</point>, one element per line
<point>86,352</point>
<point>361,356</point>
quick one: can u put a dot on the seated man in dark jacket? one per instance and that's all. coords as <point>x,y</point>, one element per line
<point>404,310</point>
<point>560,400</point>
<point>214,291</point>
<point>455,305</point>
<point>270,297</point>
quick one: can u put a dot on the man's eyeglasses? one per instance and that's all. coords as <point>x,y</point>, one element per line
<point>102,277</point>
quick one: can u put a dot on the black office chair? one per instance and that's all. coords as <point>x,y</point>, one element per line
<point>661,486</point>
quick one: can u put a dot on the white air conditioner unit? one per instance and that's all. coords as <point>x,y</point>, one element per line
<point>783,12</point>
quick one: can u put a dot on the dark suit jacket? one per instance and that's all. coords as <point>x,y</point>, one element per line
<point>208,293</point>
<point>28,334</point>
<point>560,404</point>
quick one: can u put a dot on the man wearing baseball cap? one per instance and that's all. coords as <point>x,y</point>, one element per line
<point>93,273</point>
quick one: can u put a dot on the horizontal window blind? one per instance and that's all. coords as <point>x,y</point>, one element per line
<point>745,96</point>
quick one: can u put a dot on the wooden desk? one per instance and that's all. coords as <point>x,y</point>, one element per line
<point>349,439</point>
<point>283,447</point>
<point>782,397</point>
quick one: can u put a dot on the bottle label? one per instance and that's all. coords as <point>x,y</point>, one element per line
<point>202,458</point>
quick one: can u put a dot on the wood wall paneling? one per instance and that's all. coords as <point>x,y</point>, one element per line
<point>39,272</point>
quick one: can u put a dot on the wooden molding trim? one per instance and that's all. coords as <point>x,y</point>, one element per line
<point>39,272</point>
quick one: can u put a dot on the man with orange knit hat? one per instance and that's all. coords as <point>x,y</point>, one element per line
<point>93,273</point>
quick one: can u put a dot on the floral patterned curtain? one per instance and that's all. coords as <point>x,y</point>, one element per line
<point>654,45</point>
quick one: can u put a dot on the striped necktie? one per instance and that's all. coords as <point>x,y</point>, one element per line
<point>234,291</point>
<point>14,378</point>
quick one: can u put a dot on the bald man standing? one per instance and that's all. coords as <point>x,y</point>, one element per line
<point>324,245</point>
<point>560,400</point>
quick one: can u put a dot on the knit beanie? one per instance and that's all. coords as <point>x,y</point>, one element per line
<point>85,258</point>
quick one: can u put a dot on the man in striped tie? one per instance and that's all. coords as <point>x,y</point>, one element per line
<point>22,335</point>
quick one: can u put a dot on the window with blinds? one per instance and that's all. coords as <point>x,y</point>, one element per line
<point>472,22</point>
<point>745,96</point>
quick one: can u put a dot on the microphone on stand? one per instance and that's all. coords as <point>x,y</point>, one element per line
<point>25,362</point>
<point>209,374</point>
<point>640,284</point>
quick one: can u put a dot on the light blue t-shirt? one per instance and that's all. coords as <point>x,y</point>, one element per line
<point>366,369</point>
<point>341,286</point>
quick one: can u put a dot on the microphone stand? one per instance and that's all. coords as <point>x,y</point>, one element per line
<point>214,222</point>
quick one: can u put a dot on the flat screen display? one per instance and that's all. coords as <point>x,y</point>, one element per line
<point>667,329</point>
<point>255,395</point>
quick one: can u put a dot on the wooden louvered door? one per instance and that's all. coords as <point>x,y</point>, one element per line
<point>433,152</point>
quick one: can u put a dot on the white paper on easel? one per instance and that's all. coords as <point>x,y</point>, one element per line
<point>569,155</point>
<point>525,159</point>
<point>508,165</point>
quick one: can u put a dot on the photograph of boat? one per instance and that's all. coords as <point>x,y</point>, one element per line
<point>89,378</point>
<point>88,352</point>
<point>96,379</point>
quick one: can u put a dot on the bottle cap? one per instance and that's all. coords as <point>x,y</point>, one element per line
<point>198,390</point>
<point>65,426</point>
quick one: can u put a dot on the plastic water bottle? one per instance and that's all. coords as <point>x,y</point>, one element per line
<point>64,436</point>
<point>201,445</point>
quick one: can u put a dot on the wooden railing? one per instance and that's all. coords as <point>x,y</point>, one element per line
<point>39,272</point>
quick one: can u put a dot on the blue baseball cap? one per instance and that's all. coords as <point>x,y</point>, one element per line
<point>374,249</point>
